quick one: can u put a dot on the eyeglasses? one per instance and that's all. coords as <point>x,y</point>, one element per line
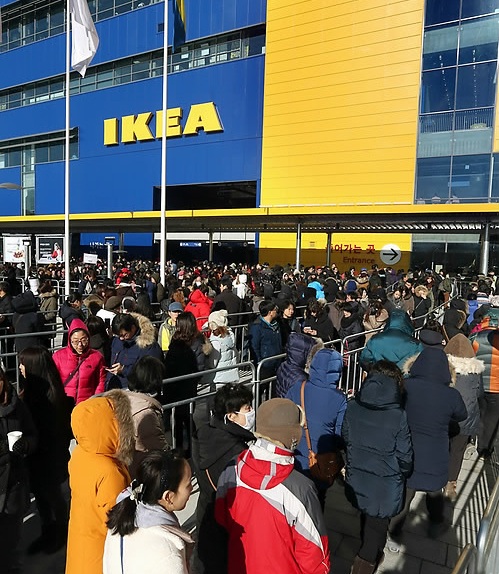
<point>76,342</point>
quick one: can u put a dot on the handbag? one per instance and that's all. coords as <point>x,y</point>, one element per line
<point>323,466</point>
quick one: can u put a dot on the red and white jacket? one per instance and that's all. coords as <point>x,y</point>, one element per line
<point>272,515</point>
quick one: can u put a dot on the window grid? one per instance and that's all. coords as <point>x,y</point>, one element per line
<point>207,52</point>
<point>24,24</point>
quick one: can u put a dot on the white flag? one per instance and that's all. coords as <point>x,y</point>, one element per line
<point>85,40</point>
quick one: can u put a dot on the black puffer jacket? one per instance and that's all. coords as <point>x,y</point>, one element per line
<point>25,320</point>
<point>378,448</point>
<point>14,481</point>
<point>215,444</point>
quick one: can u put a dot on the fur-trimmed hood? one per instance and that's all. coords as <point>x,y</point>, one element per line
<point>147,334</point>
<point>47,294</point>
<point>103,425</point>
<point>466,366</point>
<point>406,368</point>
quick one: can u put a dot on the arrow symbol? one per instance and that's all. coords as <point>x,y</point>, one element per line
<point>392,253</point>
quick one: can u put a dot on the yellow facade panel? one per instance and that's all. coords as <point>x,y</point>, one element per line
<point>340,104</point>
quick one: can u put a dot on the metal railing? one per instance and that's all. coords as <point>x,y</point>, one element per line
<point>467,562</point>
<point>488,536</point>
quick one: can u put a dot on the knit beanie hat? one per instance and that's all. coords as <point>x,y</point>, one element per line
<point>217,319</point>
<point>460,346</point>
<point>279,420</point>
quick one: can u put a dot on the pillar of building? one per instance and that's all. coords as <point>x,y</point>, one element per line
<point>298,245</point>
<point>210,246</point>
<point>328,249</point>
<point>485,247</point>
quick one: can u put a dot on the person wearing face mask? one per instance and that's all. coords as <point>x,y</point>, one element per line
<point>215,444</point>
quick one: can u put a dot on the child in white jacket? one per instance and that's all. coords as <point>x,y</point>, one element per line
<point>144,534</point>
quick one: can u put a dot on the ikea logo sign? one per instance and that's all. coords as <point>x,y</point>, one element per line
<point>136,128</point>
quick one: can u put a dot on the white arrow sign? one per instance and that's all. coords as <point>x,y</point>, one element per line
<point>390,254</point>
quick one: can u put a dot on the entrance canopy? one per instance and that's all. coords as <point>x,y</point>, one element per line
<point>453,218</point>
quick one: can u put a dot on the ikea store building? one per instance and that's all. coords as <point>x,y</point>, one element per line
<point>355,130</point>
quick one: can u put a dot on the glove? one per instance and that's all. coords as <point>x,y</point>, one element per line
<point>20,447</point>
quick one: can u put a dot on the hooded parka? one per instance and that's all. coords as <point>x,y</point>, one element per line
<point>378,448</point>
<point>89,370</point>
<point>300,350</point>
<point>325,405</point>
<point>103,429</point>
<point>431,405</point>
<point>396,343</point>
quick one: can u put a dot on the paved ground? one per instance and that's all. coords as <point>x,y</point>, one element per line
<point>419,554</point>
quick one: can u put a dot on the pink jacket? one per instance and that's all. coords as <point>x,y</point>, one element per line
<point>90,377</point>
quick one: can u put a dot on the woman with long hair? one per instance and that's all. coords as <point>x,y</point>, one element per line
<point>186,354</point>
<point>44,396</point>
<point>143,532</point>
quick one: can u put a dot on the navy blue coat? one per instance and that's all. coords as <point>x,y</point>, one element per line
<point>431,405</point>
<point>292,370</point>
<point>378,448</point>
<point>265,341</point>
<point>325,405</point>
<point>129,352</point>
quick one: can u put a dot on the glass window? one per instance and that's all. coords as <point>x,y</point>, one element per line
<point>73,150</point>
<point>437,90</point>
<point>475,86</point>
<point>105,76</point>
<point>41,153</point>
<point>470,177</point>
<point>3,159</point>
<point>432,182</point>
<point>140,68</point>
<point>56,89</point>
<point>57,19</point>
<point>256,45</point>
<point>42,23</point>
<point>87,84</point>
<point>14,32</point>
<point>479,7</point>
<point>42,91</point>
<point>440,47</point>
<point>28,96</point>
<point>105,9</point>
<point>28,27</point>
<point>15,157</point>
<point>56,151</point>
<point>74,84</point>
<point>438,11</point>
<point>478,40</point>
<point>123,6</point>
<point>495,178</point>
<point>3,102</point>
<point>15,98</point>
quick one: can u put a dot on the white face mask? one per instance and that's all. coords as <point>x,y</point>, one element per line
<point>250,419</point>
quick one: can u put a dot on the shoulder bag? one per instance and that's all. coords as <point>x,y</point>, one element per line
<point>324,466</point>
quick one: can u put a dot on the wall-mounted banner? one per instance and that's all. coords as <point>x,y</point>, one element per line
<point>50,249</point>
<point>14,249</point>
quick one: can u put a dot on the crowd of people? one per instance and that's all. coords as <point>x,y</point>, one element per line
<point>257,471</point>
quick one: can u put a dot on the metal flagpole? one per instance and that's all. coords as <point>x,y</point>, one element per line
<point>66,246</point>
<point>162,243</point>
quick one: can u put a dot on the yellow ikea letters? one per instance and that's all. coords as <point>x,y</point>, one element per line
<point>136,128</point>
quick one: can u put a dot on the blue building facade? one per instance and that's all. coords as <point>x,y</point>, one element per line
<point>218,75</point>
